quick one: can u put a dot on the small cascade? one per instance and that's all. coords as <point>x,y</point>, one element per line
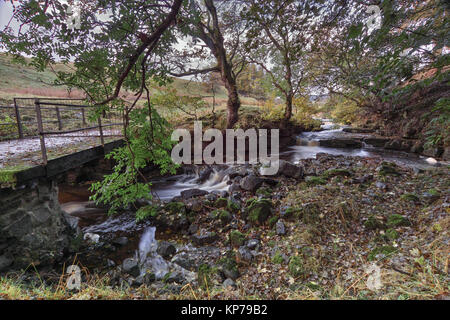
<point>149,258</point>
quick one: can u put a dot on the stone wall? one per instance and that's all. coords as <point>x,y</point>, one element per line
<point>33,228</point>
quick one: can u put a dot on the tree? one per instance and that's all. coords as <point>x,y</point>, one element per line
<point>208,25</point>
<point>112,53</point>
<point>279,39</point>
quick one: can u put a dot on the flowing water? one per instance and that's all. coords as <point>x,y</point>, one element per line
<point>143,236</point>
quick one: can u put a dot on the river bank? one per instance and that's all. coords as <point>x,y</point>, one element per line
<point>311,232</point>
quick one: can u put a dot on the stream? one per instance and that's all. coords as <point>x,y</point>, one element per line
<point>143,238</point>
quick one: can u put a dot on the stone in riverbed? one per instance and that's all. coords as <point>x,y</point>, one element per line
<point>166,249</point>
<point>251,183</point>
<point>290,170</point>
<point>192,193</point>
<point>258,211</point>
<point>340,143</point>
<point>131,266</point>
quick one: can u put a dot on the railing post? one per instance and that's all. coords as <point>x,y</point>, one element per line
<point>84,117</point>
<point>101,130</point>
<point>19,121</point>
<point>41,130</point>
<point>58,115</point>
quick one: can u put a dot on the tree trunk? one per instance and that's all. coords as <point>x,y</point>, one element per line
<point>233,103</point>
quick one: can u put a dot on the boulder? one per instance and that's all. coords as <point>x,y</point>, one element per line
<point>192,193</point>
<point>290,170</point>
<point>251,183</point>
<point>131,266</point>
<point>203,239</point>
<point>340,143</point>
<point>166,249</point>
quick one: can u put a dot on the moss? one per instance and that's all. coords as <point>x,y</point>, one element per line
<point>225,216</point>
<point>384,250</point>
<point>259,211</point>
<point>237,239</point>
<point>272,221</point>
<point>277,258</point>
<point>296,266</point>
<point>434,192</point>
<point>221,203</point>
<point>336,172</point>
<point>396,220</point>
<point>233,206</point>
<point>409,197</point>
<point>204,274</point>
<point>264,191</point>
<point>388,168</point>
<point>175,207</point>
<point>313,181</point>
<point>373,223</point>
<point>392,234</point>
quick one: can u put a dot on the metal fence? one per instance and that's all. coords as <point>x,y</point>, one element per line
<point>56,118</point>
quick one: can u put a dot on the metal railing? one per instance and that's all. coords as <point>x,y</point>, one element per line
<point>58,118</point>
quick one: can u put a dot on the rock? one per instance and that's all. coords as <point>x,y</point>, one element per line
<point>145,279</point>
<point>446,154</point>
<point>211,197</point>
<point>340,143</point>
<point>121,241</point>
<point>166,249</point>
<point>251,183</point>
<point>5,262</point>
<point>253,244</point>
<point>337,172</point>
<point>207,238</point>
<point>192,257</point>
<point>381,185</point>
<point>431,196</point>
<point>193,228</point>
<point>33,227</point>
<point>417,147</point>
<point>221,203</point>
<point>358,130</point>
<point>364,179</point>
<point>110,263</point>
<point>204,174</point>
<point>236,171</point>
<point>434,152</point>
<point>280,228</point>
<point>290,170</point>
<point>192,193</point>
<point>194,205</point>
<point>131,266</point>
<point>388,168</point>
<point>258,211</point>
<point>376,142</point>
<point>313,181</point>
<point>237,239</point>
<point>229,284</point>
<point>244,254</point>
<point>228,268</point>
<point>91,237</point>
<point>234,187</point>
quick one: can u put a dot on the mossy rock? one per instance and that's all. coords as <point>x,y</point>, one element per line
<point>221,203</point>
<point>314,181</point>
<point>233,207</point>
<point>410,197</point>
<point>372,223</point>
<point>278,258</point>
<point>264,192</point>
<point>237,239</point>
<point>295,266</point>
<point>396,220</point>
<point>392,234</point>
<point>337,172</point>
<point>388,169</point>
<point>272,221</point>
<point>223,215</point>
<point>259,211</point>
<point>228,267</point>
<point>175,208</point>
<point>384,250</point>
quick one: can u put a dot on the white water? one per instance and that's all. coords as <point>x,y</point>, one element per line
<point>148,256</point>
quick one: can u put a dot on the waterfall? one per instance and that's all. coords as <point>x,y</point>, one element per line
<point>148,256</point>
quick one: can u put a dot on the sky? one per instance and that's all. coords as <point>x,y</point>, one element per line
<point>5,13</point>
